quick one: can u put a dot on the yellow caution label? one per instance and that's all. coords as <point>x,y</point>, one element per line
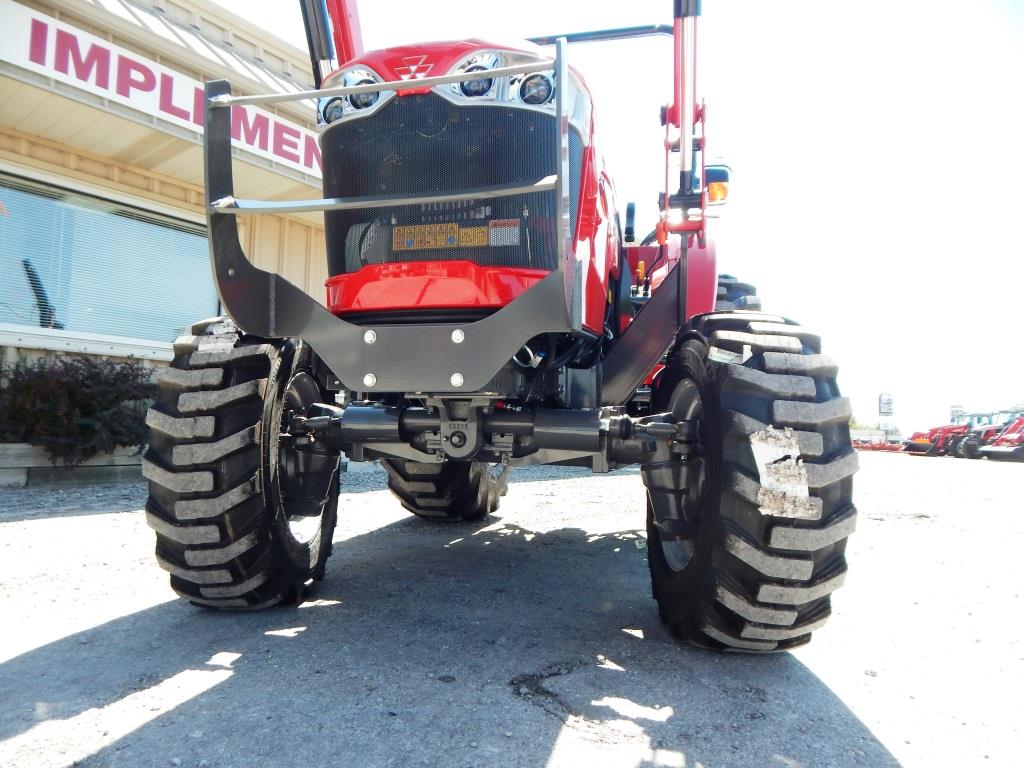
<point>425,237</point>
<point>422,237</point>
<point>473,237</point>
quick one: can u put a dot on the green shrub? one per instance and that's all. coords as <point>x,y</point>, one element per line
<point>75,407</point>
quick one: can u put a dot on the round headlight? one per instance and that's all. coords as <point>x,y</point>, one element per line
<point>363,100</point>
<point>333,110</point>
<point>536,89</point>
<point>474,88</point>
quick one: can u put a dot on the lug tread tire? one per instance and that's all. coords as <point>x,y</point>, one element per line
<point>213,400</point>
<point>805,365</point>
<point>221,555</point>
<point>777,385</point>
<point>204,508</point>
<point>190,454</point>
<point>760,577</point>
<point>178,482</point>
<point>733,294</point>
<point>820,476</point>
<point>954,447</point>
<point>223,341</point>
<point>752,303</point>
<point>762,632</point>
<point>740,342</point>
<point>209,576</point>
<point>750,490</point>
<point>797,539</point>
<point>249,354</point>
<point>176,378</point>
<point>811,443</point>
<point>213,518</point>
<point>751,611</point>
<point>446,492</point>
<point>797,414</point>
<point>730,643</point>
<point>738,320</point>
<point>183,428</point>
<point>775,566</point>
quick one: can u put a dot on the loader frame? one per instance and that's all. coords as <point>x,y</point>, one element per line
<point>463,357</point>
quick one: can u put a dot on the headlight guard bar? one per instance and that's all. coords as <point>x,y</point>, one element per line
<point>402,358</point>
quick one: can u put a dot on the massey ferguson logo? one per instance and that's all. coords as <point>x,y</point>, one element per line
<point>413,68</point>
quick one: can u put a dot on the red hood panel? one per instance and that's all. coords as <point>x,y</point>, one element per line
<point>414,62</point>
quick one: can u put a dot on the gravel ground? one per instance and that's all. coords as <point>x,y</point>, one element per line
<point>530,640</point>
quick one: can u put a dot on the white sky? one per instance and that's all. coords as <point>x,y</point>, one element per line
<point>878,194</point>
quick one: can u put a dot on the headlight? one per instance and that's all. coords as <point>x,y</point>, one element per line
<point>333,109</point>
<point>474,88</point>
<point>481,61</point>
<point>536,89</point>
<point>364,100</point>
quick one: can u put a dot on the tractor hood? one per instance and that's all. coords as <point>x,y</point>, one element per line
<point>414,62</point>
<point>411,63</point>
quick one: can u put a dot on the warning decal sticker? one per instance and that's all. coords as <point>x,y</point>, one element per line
<point>424,237</point>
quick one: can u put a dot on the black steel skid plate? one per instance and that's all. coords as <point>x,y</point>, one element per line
<point>401,358</point>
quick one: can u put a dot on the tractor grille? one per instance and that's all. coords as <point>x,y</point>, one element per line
<point>425,144</point>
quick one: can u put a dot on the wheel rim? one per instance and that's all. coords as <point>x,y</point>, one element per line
<point>686,404</point>
<point>305,478</point>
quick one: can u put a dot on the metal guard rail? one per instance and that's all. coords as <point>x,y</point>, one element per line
<point>403,358</point>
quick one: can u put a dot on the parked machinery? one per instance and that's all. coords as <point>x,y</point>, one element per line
<point>965,436</point>
<point>1007,444</point>
<point>484,311</point>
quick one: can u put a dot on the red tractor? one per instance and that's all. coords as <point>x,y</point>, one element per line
<point>485,310</point>
<point>937,441</point>
<point>964,437</point>
<point>1008,444</point>
<point>985,431</point>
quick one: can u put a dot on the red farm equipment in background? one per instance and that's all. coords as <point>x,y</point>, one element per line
<point>1008,444</point>
<point>877,446</point>
<point>965,437</point>
<point>937,441</point>
<point>485,311</point>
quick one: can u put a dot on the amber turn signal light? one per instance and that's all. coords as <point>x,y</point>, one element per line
<point>718,191</point>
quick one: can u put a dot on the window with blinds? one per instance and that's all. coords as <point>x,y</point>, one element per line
<point>75,262</point>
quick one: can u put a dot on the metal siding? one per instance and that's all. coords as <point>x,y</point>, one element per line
<point>296,254</point>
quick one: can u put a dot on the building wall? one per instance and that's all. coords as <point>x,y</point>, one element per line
<point>291,247</point>
<point>146,164</point>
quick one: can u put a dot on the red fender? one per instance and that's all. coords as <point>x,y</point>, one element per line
<point>701,278</point>
<point>701,287</point>
<point>701,271</point>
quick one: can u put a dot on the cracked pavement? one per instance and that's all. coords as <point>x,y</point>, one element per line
<point>526,640</point>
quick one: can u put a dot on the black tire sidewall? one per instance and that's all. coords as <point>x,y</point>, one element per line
<point>299,561</point>
<point>686,590</point>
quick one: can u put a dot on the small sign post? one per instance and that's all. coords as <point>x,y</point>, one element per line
<point>885,414</point>
<point>885,404</point>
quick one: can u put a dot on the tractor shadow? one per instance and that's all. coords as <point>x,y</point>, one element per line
<point>473,644</point>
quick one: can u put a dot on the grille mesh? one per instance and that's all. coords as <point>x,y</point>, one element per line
<point>424,144</point>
